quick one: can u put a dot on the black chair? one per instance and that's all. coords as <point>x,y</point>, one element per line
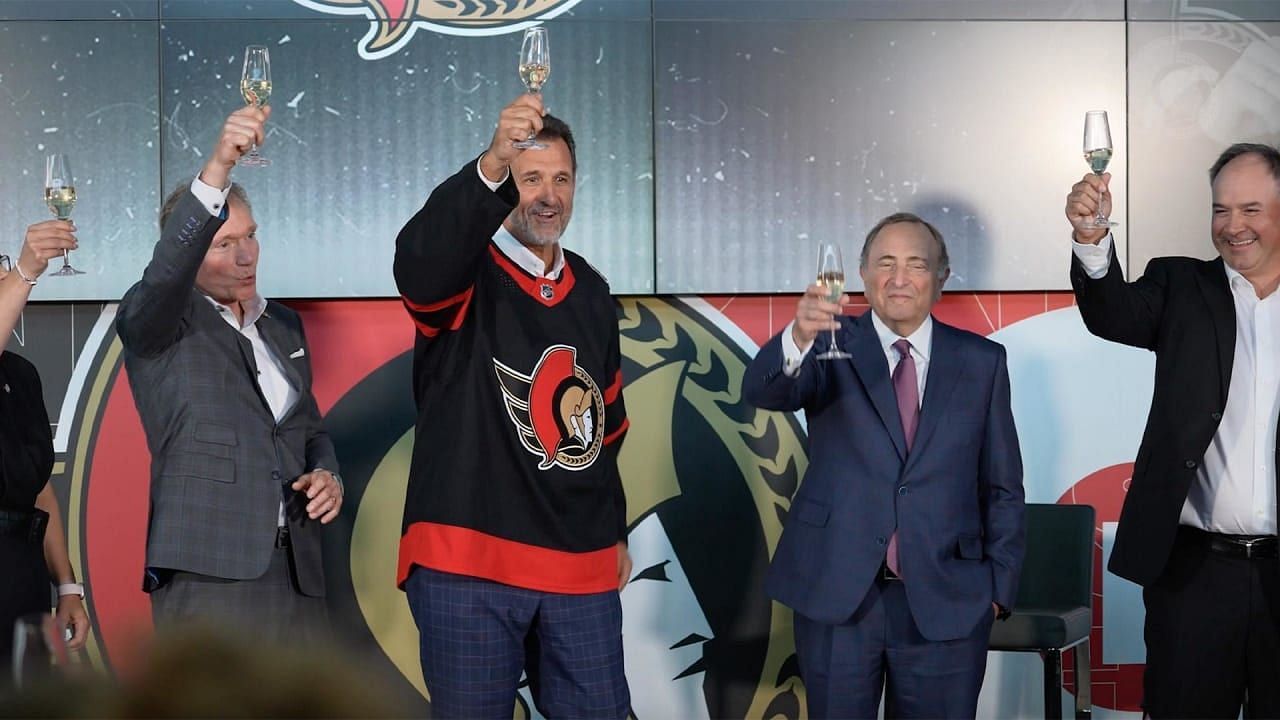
<point>1054,610</point>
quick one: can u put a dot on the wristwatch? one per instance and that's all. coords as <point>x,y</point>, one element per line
<point>71,589</point>
<point>336,478</point>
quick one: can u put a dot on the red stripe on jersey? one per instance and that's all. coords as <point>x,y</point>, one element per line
<point>425,329</point>
<point>462,551</point>
<point>462,297</point>
<point>626,423</point>
<point>462,312</point>
<point>612,393</point>
<point>537,288</point>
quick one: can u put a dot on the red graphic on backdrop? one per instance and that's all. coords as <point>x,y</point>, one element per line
<point>1116,687</point>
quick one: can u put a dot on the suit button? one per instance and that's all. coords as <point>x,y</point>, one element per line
<point>902,490</point>
<point>1216,416</point>
<point>1191,464</point>
<point>277,475</point>
<point>881,541</point>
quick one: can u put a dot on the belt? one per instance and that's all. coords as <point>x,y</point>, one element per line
<point>887,574</point>
<point>25,524</point>
<point>282,536</point>
<point>1250,547</point>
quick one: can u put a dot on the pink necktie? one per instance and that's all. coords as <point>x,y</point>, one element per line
<point>904,386</point>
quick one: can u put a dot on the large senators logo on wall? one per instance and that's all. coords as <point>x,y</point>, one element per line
<point>394,22</point>
<point>708,482</point>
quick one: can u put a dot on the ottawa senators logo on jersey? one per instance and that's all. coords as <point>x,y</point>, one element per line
<point>558,410</point>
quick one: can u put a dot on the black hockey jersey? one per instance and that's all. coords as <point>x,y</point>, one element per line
<point>518,385</point>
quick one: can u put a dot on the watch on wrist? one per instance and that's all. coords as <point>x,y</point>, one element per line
<point>71,589</point>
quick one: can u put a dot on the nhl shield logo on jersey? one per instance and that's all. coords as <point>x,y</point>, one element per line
<point>557,410</point>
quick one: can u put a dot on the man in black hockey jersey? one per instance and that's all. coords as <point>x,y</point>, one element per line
<point>513,549</point>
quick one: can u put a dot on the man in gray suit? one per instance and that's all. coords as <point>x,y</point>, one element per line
<point>242,474</point>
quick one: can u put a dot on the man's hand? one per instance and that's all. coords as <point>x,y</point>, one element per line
<point>71,613</point>
<point>814,315</point>
<point>1083,202</point>
<point>518,121</point>
<point>244,128</point>
<point>44,241</point>
<point>624,565</point>
<point>323,492</point>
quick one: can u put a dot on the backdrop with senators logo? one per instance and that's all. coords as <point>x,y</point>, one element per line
<point>708,482</point>
<point>719,141</point>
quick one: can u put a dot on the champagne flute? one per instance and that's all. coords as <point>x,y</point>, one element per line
<point>255,87</point>
<point>831,277</point>
<point>38,647</point>
<point>535,67</point>
<point>1097,152</point>
<point>60,196</point>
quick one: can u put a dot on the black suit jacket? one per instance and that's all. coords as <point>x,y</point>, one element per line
<point>1181,309</point>
<point>220,463</point>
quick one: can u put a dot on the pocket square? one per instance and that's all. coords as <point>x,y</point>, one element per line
<point>298,353</point>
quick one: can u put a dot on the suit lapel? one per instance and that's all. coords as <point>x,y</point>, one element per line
<point>1217,295</point>
<point>945,363</point>
<point>214,317</point>
<point>280,341</point>
<point>872,367</point>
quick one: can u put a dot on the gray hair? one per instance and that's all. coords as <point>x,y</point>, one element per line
<point>237,192</point>
<point>944,260</point>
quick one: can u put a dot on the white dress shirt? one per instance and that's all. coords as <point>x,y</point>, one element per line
<point>921,345</point>
<point>1235,487</point>
<point>280,395</point>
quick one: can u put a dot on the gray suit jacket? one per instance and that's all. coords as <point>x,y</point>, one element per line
<point>220,464</point>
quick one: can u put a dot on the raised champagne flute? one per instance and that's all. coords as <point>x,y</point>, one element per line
<point>831,277</point>
<point>1097,152</point>
<point>535,67</point>
<point>255,86</point>
<point>60,196</point>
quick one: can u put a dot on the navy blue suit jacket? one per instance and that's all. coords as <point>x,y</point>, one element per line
<point>956,499</point>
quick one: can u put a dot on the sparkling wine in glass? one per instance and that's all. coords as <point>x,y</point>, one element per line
<point>831,277</point>
<point>535,67</point>
<point>60,196</point>
<point>255,87</point>
<point>1097,152</point>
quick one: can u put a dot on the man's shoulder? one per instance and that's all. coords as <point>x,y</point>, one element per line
<point>585,271</point>
<point>1179,265</point>
<point>969,341</point>
<point>281,311</point>
<point>16,366</point>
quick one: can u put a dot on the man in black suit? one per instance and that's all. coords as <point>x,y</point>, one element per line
<point>242,474</point>
<point>1198,528</point>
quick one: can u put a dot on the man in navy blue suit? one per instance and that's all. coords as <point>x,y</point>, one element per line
<point>906,537</point>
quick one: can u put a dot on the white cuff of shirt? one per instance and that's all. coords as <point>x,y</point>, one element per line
<point>489,183</point>
<point>1095,258</point>
<point>792,355</point>
<point>211,197</point>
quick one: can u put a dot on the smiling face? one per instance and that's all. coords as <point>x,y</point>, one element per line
<point>546,182</point>
<point>229,272</point>
<point>901,276</point>
<point>1246,219</point>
